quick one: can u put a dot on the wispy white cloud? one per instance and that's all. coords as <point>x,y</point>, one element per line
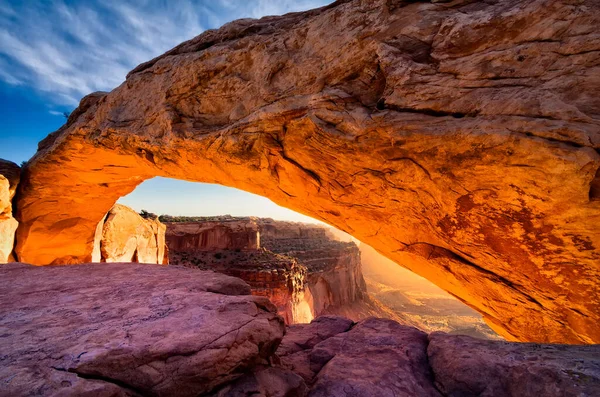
<point>65,51</point>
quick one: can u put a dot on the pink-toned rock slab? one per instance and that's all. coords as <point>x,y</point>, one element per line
<point>118,329</point>
<point>465,366</point>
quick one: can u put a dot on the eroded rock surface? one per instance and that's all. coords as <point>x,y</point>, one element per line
<point>459,139</point>
<point>376,357</point>
<point>124,236</point>
<point>9,180</point>
<point>128,329</point>
<point>466,366</point>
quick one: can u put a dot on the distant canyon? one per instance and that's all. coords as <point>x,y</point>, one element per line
<point>306,270</point>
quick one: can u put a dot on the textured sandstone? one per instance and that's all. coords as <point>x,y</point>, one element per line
<point>376,357</point>
<point>306,336</point>
<point>127,237</point>
<point>466,366</point>
<point>151,330</point>
<point>266,382</point>
<point>459,139</point>
<point>9,179</point>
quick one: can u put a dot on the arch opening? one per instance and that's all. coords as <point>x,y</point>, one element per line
<point>305,267</point>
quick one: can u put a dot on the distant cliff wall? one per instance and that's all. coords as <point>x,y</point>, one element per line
<point>212,235</point>
<point>272,229</point>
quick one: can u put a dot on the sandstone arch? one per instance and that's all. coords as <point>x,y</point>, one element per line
<point>458,139</point>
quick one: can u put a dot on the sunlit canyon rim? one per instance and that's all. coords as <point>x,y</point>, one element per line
<point>459,139</point>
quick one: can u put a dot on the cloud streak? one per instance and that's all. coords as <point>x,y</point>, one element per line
<point>64,51</point>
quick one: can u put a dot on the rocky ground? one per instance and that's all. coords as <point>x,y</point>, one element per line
<point>150,330</point>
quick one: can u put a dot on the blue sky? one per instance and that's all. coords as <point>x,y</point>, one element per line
<point>52,53</point>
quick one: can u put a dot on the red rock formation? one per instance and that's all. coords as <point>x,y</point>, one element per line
<point>334,278</point>
<point>313,274</point>
<point>9,179</point>
<point>459,139</point>
<point>277,277</point>
<point>127,237</point>
<point>212,235</point>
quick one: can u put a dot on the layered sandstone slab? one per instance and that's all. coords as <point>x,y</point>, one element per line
<point>124,236</point>
<point>459,139</point>
<point>9,180</point>
<point>128,329</point>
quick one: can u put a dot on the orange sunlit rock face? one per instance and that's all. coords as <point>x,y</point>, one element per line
<point>127,237</point>
<point>459,140</point>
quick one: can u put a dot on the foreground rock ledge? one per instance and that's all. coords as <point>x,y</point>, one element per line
<point>459,139</point>
<point>379,357</point>
<point>128,329</point>
<point>151,330</point>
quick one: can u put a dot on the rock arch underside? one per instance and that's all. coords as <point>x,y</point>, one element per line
<point>459,139</point>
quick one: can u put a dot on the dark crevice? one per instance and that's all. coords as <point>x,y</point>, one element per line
<point>382,105</point>
<point>132,390</point>
<point>289,195</point>
<point>579,312</point>
<point>306,170</point>
<point>431,371</point>
<point>309,172</point>
<point>412,161</point>
<point>570,143</point>
<point>594,194</point>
